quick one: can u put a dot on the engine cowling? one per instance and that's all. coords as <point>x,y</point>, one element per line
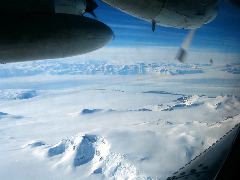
<point>188,14</point>
<point>43,36</point>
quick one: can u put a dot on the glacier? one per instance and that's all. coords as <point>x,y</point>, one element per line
<point>96,120</point>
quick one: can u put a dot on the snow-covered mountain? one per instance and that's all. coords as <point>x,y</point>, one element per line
<point>96,68</point>
<point>232,68</point>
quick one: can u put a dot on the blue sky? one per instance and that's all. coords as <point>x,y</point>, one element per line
<point>222,34</point>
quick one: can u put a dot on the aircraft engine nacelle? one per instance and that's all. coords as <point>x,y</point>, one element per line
<point>187,14</point>
<point>37,37</point>
<point>48,29</point>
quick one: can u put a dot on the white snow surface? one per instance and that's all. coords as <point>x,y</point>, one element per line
<point>112,127</point>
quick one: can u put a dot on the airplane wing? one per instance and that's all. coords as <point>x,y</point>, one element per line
<point>209,164</point>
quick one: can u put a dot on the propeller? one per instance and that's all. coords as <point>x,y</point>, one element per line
<point>182,52</point>
<point>91,5</point>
